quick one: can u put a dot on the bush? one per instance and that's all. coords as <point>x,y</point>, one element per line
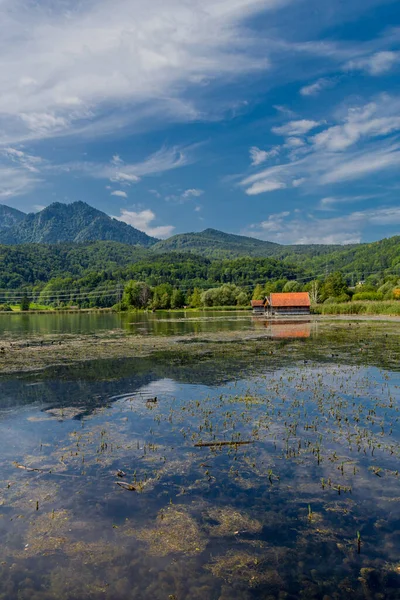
<point>5,308</point>
<point>337,299</point>
<point>367,296</point>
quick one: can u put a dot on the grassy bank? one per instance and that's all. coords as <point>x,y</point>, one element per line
<point>367,307</point>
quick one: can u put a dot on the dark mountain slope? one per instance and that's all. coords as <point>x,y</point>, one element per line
<point>10,216</point>
<point>76,222</point>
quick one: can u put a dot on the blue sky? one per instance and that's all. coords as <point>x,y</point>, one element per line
<point>278,119</point>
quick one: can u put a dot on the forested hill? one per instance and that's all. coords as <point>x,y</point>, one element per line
<point>76,222</point>
<point>35,264</point>
<point>361,260</point>
<point>31,264</point>
<point>217,244</point>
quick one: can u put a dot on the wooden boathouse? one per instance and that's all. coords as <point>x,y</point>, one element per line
<point>293,303</point>
<point>259,306</point>
<point>283,304</point>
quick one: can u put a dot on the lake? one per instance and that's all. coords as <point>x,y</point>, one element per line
<point>140,322</point>
<point>238,475</point>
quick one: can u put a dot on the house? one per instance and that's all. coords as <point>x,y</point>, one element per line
<point>258,306</point>
<point>293,303</point>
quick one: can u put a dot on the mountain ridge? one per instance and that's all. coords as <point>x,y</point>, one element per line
<point>10,216</point>
<point>75,222</point>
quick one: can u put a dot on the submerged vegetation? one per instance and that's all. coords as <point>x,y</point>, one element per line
<point>307,509</point>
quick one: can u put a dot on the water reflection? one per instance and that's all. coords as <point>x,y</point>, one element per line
<point>280,329</point>
<point>275,518</point>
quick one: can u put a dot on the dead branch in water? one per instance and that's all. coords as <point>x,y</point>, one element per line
<point>208,444</point>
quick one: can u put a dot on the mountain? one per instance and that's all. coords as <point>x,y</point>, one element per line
<point>76,222</point>
<point>10,216</point>
<point>217,244</point>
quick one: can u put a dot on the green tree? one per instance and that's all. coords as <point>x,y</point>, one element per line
<point>136,294</point>
<point>195,298</point>
<point>334,285</point>
<point>291,286</point>
<point>242,299</point>
<point>25,303</point>
<point>162,296</point>
<point>177,299</point>
<point>258,293</point>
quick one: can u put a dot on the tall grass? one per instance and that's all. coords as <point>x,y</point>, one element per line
<point>367,307</point>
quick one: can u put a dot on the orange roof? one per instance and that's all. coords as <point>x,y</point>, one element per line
<point>290,299</point>
<point>258,302</point>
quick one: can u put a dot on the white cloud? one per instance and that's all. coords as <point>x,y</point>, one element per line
<point>142,220</point>
<point>161,161</point>
<point>376,64</point>
<point>265,185</point>
<point>298,182</point>
<point>306,229</point>
<point>66,65</point>
<point>258,156</point>
<point>332,156</point>
<point>38,207</point>
<point>16,182</point>
<point>360,122</point>
<point>27,161</point>
<point>294,128</point>
<point>329,202</point>
<point>119,193</point>
<point>198,208</point>
<point>192,193</point>
<point>315,88</point>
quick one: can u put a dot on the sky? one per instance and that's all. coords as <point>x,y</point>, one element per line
<point>277,119</point>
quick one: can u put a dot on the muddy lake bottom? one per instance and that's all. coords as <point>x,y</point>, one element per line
<point>255,469</point>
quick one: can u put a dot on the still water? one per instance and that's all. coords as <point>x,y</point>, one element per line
<point>128,479</point>
<point>143,323</point>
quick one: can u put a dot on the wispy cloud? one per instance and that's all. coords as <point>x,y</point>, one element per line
<point>118,171</point>
<point>143,220</point>
<point>299,228</point>
<point>19,172</point>
<point>378,63</point>
<point>66,66</point>
<point>119,193</point>
<point>333,155</point>
<point>299,127</point>
<point>258,156</point>
<point>317,87</point>
<point>192,193</point>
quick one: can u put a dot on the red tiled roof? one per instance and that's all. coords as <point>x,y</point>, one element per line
<point>290,299</point>
<point>258,302</point>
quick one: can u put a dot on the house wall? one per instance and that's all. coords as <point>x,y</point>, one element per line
<point>291,310</point>
<point>258,309</point>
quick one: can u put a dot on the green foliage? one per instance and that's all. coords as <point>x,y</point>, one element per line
<point>5,308</point>
<point>25,303</point>
<point>258,293</point>
<point>334,286</point>
<point>242,299</point>
<point>367,296</point>
<point>226,295</point>
<point>177,299</point>
<point>292,286</point>
<point>195,298</point>
<point>162,295</point>
<point>137,294</point>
